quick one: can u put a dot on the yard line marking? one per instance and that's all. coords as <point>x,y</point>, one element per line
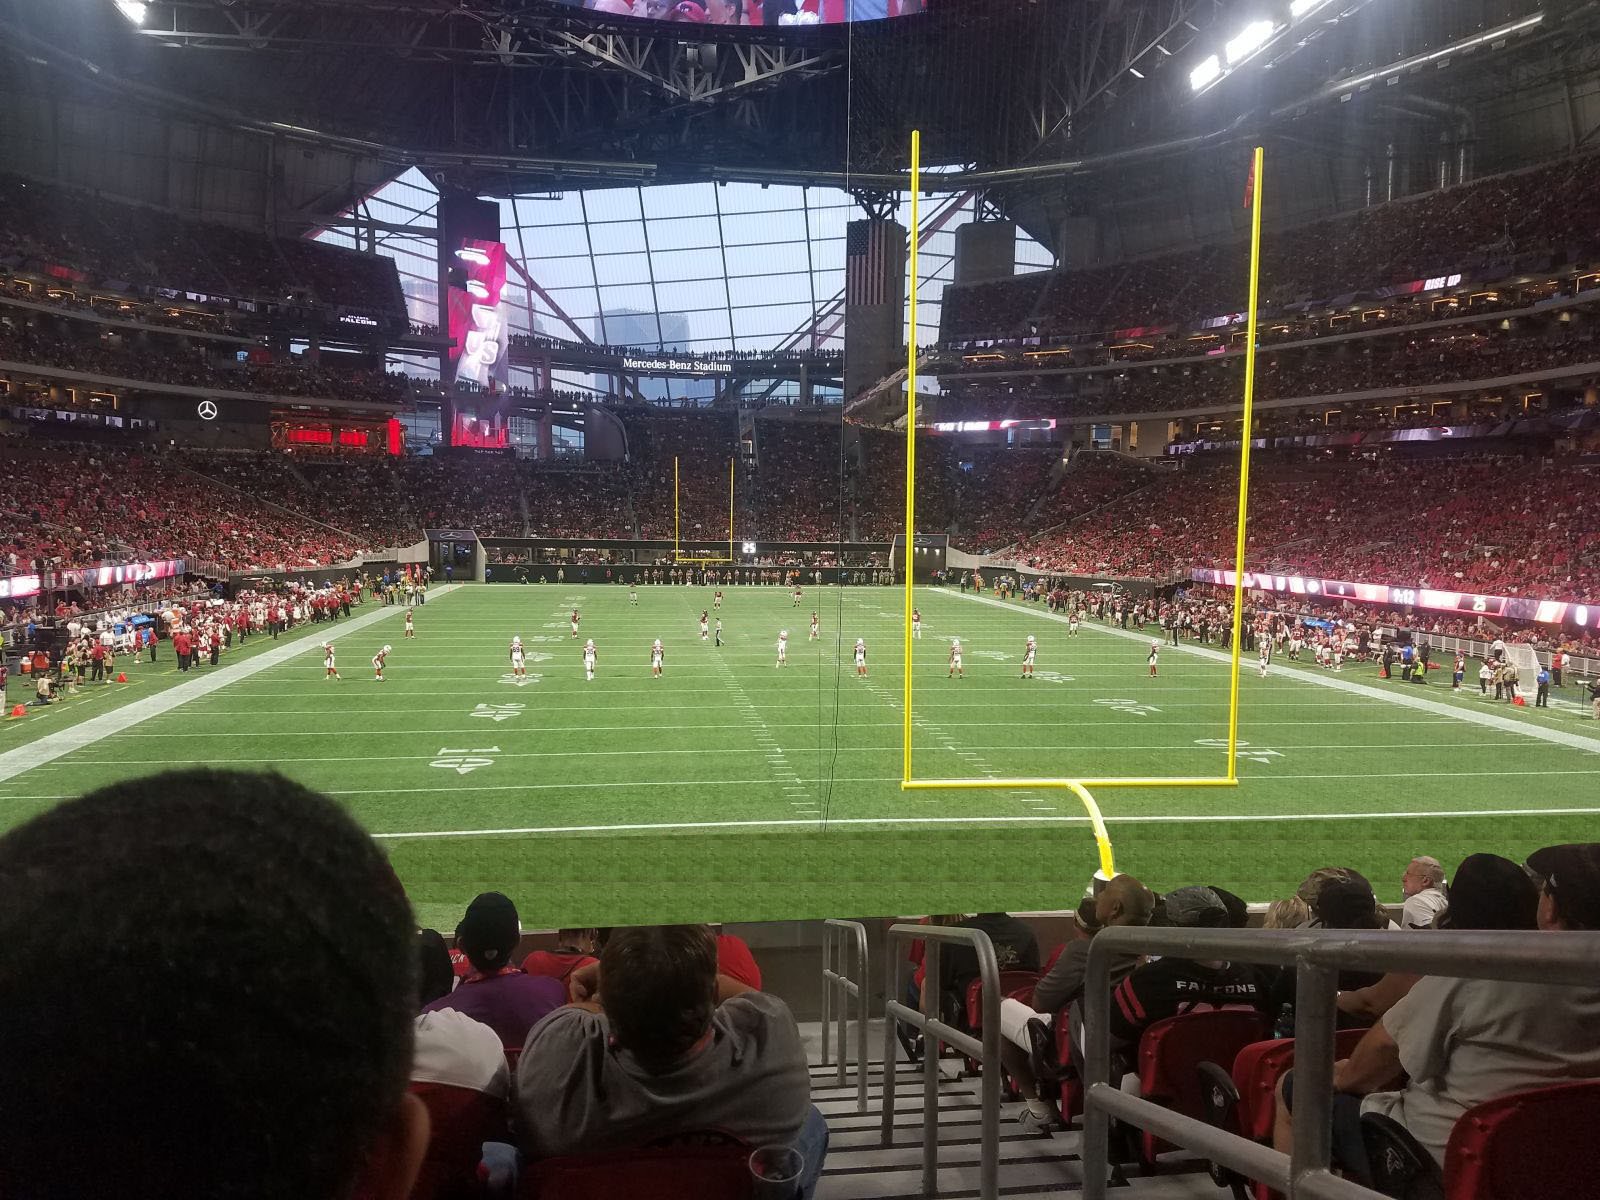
<point>776,760</point>
<point>1488,721</point>
<point>1024,820</point>
<point>54,745</point>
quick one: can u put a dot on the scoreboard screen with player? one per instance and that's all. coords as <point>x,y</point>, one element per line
<point>1471,604</point>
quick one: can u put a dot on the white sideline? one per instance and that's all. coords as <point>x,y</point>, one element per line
<point>1030,819</point>
<point>1320,679</point>
<point>75,737</point>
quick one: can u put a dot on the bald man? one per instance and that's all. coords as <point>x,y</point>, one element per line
<point>1123,901</point>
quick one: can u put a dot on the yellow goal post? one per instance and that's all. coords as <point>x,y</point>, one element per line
<point>1084,789</point>
<point>679,555</point>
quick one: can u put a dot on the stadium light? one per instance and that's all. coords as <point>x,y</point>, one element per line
<point>477,289</point>
<point>134,10</point>
<point>1304,8</point>
<point>473,255</point>
<point>1248,40</point>
<point>1206,73</point>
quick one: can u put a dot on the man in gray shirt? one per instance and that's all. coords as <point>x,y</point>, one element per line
<point>660,1044</point>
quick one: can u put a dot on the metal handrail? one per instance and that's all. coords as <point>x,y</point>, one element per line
<point>846,982</point>
<point>1317,957</point>
<point>986,1050</point>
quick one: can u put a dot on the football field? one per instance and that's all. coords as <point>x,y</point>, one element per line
<point>730,789</point>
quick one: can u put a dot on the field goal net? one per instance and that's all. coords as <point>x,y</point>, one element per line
<point>700,550</point>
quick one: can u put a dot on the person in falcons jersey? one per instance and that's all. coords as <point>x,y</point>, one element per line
<point>519,658</point>
<point>575,622</point>
<point>705,625</point>
<point>656,656</point>
<point>378,659</point>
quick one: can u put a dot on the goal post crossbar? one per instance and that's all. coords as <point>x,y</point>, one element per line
<point>1081,787</point>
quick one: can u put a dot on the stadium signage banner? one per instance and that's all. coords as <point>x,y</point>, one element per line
<point>1547,612</point>
<point>675,366</point>
<point>21,587</point>
<point>990,426</point>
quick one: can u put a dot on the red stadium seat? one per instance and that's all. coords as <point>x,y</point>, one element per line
<point>1170,1054</point>
<point>1257,1069</point>
<point>462,1120</point>
<point>1017,985</point>
<point>717,1168</point>
<point>1534,1145</point>
<point>1241,1100</point>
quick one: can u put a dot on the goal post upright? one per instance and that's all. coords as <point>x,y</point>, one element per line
<point>911,439</point>
<point>1247,429</point>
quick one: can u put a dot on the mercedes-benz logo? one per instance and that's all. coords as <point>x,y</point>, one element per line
<point>207,410</point>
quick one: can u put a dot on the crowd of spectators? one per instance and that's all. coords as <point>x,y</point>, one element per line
<point>1435,357</point>
<point>1543,211</point>
<point>102,351</point>
<point>188,316</point>
<point>614,1039</point>
<point>703,444</point>
<point>1501,525</point>
<point>80,506</point>
<point>112,241</point>
<point>994,496</point>
<point>879,490</point>
<point>794,492</point>
<point>387,501</point>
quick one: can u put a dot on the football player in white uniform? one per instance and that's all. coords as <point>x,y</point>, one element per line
<point>657,654</point>
<point>589,656</point>
<point>861,657</point>
<point>783,647</point>
<point>519,658</point>
<point>1028,652</point>
<point>916,622</point>
<point>378,660</point>
<point>332,672</point>
<point>1155,653</point>
<point>955,660</point>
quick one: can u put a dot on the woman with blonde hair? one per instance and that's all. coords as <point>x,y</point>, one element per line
<point>1291,913</point>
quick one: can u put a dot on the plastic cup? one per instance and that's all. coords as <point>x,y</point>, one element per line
<point>776,1171</point>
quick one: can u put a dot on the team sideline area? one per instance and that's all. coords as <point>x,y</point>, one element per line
<point>454,753</point>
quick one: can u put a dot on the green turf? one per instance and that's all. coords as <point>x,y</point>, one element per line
<point>732,790</point>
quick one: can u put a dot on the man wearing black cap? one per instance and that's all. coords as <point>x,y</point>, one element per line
<point>497,993</point>
<point>1170,985</point>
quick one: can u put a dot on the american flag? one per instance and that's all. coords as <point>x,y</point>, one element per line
<point>874,261</point>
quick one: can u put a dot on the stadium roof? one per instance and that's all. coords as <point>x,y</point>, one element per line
<point>518,96</point>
